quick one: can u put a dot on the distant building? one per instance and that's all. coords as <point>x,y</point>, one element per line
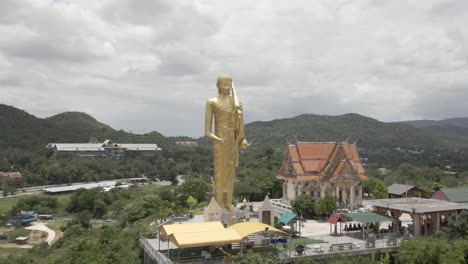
<point>11,175</point>
<point>106,185</point>
<point>104,149</point>
<point>383,171</point>
<point>402,191</point>
<point>454,195</point>
<point>317,168</point>
<point>451,172</point>
<point>187,143</point>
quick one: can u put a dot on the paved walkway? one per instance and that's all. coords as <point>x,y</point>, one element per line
<point>42,227</point>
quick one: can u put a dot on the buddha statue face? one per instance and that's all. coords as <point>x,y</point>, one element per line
<point>224,84</point>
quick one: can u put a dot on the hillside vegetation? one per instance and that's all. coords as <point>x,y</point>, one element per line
<point>453,131</point>
<point>24,137</point>
<point>371,133</point>
<point>25,131</point>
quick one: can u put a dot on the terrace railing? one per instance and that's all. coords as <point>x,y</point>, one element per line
<point>153,253</point>
<point>281,207</point>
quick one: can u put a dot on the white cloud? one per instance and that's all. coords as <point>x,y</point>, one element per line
<point>146,66</point>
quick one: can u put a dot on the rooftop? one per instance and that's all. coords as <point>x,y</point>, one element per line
<point>11,175</point>
<point>79,186</point>
<point>456,195</point>
<point>417,205</point>
<point>102,146</point>
<point>400,189</point>
<point>313,161</point>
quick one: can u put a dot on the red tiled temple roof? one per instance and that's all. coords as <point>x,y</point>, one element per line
<point>308,161</point>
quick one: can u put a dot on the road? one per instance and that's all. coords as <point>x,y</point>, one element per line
<point>42,227</point>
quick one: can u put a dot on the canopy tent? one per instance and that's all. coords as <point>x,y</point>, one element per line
<point>207,238</point>
<point>190,228</point>
<point>212,233</point>
<point>369,217</point>
<point>333,219</point>
<point>247,228</point>
<point>287,218</point>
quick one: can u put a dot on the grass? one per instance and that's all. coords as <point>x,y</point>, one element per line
<point>146,189</point>
<point>56,225</point>
<point>7,203</point>
<point>5,252</point>
<point>14,233</point>
<point>63,200</point>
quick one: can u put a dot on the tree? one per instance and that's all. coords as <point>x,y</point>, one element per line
<point>83,219</point>
<point>431,251</point>
<point>407,174</point>
<point>91,200</point>
<point>375,188</point>
<point>8,186</point>
<point>326,205</point>
<point>191,202</point>
<point>257,259</point>
<point>195,186</point>
<point>37,203</point>
<point>457,227</point>
<point>304,205</point>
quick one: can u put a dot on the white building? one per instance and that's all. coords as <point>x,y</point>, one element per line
<point>104,149</point>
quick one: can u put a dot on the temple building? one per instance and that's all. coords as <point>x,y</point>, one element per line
<point>104,149</point>
<point>318,168</point>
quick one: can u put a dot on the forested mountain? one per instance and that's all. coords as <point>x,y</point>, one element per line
<point>23,138</point>
<point>453,130</point>
<point>20,129</point>
<point>384,144</point>
<point>420,123</point>
<point>25,131</point>
<point>371,133</point>
<point>458,122</point>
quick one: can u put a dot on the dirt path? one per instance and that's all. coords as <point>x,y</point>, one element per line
<point>42,227</point>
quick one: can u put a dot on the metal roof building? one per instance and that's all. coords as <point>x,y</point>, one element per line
<point>420,211</point>
<point>104,149</point>
<point>71,188</point>
<point>402,190</point>
<point>454,195</point>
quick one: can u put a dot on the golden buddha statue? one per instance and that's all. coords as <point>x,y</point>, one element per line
<point>228,135</point>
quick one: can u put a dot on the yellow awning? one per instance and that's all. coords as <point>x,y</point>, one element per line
<point>190,228</point>
<point>200,239</point>
<point>212,233</point>
<point>247,228</point>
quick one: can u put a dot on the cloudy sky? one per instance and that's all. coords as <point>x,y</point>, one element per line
<point>151,65</point>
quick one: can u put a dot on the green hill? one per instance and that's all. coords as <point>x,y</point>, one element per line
<point>454,131</point>
<point>457,122</point>
<point>383,143</point>
<point>25,131</point>
<point>22,130</point>
<point>371,133</point>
